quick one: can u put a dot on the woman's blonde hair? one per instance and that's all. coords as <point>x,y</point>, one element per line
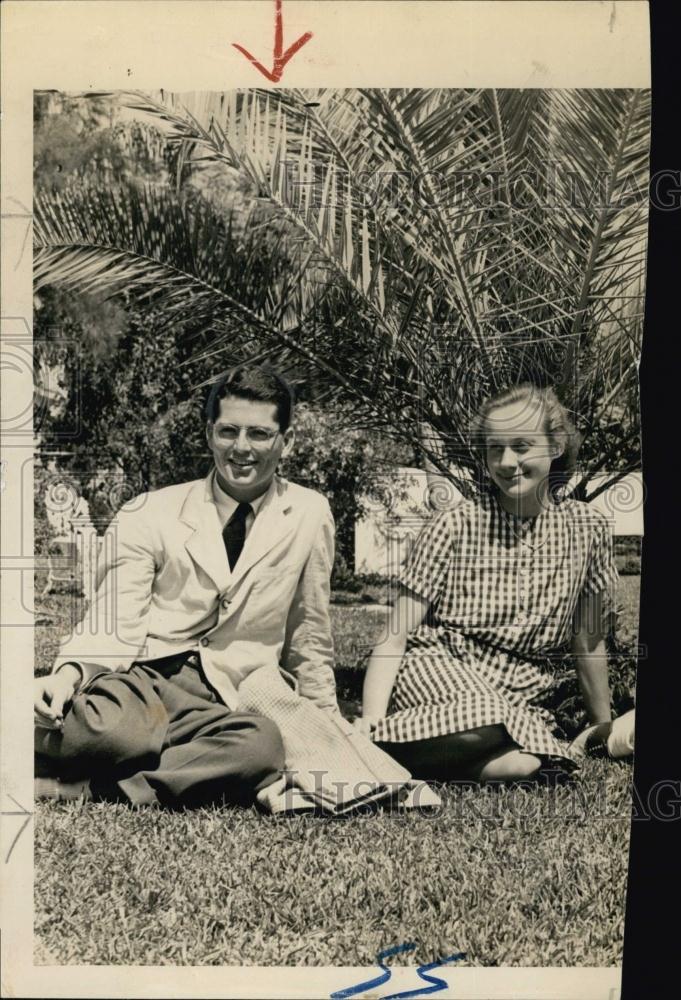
<point>557,425</point>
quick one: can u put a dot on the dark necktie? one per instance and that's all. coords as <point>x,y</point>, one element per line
<point>234,533</point>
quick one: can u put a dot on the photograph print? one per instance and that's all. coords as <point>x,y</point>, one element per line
<point>338,519</point>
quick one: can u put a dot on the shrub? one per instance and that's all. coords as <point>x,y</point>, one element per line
<point>346,464</point>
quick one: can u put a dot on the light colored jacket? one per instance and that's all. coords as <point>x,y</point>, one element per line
<point>166,587</point>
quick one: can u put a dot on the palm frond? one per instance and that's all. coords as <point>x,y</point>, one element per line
<point>417,249</point>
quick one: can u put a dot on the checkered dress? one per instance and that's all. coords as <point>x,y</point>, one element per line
<point>503,591</point>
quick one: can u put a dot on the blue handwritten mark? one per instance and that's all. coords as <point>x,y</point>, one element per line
<point>421,972</point>
<point>350,991</point>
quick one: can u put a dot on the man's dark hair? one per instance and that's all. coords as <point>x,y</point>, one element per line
<point>262,385</point>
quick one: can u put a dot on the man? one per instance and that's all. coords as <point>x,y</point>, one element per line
<point>207,582</point>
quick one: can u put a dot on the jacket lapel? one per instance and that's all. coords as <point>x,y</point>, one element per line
<point>205,544</point>
<point>272,523</point>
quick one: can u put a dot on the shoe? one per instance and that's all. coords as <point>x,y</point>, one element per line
<point>591,742</point>
<point>415,795</point>
<point>61,791</point>
<point>280,800</point>
<point>621,738</point>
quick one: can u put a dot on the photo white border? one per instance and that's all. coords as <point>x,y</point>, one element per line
<point>186,45</point>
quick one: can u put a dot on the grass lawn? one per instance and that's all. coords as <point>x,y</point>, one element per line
<point>510,877</point>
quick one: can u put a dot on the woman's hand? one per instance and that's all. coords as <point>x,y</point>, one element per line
<point>366,724</point>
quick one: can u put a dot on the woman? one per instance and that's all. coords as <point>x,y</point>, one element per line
<point>491,590</point>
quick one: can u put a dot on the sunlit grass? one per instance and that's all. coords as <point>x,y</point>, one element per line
<point>510,877</point>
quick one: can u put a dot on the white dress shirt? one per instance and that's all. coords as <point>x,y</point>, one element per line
<point>226,504</point>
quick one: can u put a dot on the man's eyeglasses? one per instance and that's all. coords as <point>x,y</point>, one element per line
<point>256,436</point>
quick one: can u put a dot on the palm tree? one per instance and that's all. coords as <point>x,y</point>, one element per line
<point>424,248</point>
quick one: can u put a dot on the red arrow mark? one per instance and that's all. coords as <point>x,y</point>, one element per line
<point>280,57</point>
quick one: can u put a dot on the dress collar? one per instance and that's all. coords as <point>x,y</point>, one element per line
<point>491,501</point>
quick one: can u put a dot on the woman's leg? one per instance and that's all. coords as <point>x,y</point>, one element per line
<point>483,754</point>
<point>455,755</point>
<point>505,765</point>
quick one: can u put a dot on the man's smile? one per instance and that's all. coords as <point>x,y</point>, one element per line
<point>247,444</point>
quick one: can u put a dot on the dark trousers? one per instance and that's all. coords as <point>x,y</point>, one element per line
<point>159,734</point>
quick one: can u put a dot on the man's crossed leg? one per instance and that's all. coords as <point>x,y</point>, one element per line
<point>158,735</point>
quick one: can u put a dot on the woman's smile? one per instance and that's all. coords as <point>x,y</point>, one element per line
<point>519,454</point>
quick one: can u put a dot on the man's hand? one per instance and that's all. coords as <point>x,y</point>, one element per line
<point>365,724</point>
<point>52,693</point>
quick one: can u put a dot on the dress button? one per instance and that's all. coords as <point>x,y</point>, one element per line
<point>204,642</point>
<point>225,603</point>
